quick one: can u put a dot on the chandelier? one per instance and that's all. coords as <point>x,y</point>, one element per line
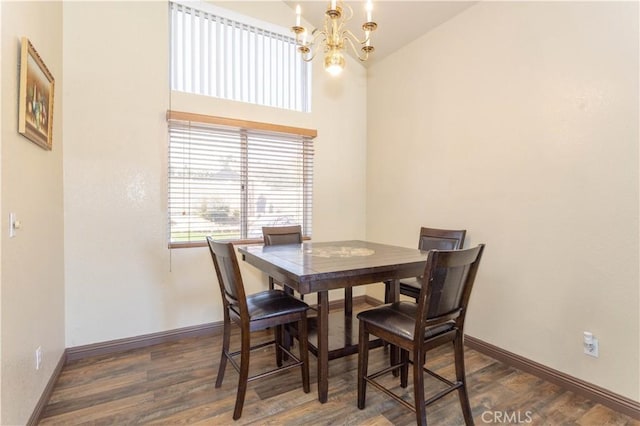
<point>334,36</point>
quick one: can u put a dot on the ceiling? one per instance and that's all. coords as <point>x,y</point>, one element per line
<point>399,22</point>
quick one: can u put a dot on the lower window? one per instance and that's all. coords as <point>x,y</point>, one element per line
<point>229,178</point>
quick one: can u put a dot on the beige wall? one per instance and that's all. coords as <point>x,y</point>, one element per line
<point>121,280</point>
<point>32,263</point>
<point>519,122</point>
<point>117,263</point>
<point>1,110</point>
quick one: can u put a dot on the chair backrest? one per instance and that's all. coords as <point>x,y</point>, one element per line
<point>229,277</point>
<point>441,239</point>
<point>274,235</point>
<point>448,279</point>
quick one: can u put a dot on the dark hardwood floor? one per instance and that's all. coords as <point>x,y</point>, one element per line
<point>173,383</point>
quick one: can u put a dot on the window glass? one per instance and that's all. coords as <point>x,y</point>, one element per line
<point>229,182</point>
<point>226,58</point>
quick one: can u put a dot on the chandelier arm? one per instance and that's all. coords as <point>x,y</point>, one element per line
<point>316,34</point>
<point>309,46</point>
<point>309,56</point>
<point>351,43</point>
<point>350,16</point>
<point>349,35</point>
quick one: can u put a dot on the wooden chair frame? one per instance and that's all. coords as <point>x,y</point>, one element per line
<point>430,331</point>
<point>236,310</point>
<point>275,235</point>
<point>431,238</point>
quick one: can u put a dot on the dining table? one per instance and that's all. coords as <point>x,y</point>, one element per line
<point>318,267</point>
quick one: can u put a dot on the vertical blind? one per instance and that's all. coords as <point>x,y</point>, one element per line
<point>229,181</point>
<point>225,58</point>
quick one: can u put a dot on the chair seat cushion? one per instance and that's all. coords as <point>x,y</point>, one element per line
<point>271,303</point>
<point>400,319</point>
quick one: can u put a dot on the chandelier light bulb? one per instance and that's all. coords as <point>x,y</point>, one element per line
<point>334,62</point>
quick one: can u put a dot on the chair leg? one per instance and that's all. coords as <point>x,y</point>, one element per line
<point>226,337</point>
<point>286,340</point>
<point>304,353</point>
<point>363,363</point>
<point>458,350</point>
<point>387,289</point>
<point>404,370</point>
<point>418,388</point>
<point>278,332</point>
<point>245,352</point>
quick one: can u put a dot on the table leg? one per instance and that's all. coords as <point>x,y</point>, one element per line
<point>348,301</point>
<point>394,296</point>
<point>287,339</point>
<point>323,346</point>
<point>394,291</point>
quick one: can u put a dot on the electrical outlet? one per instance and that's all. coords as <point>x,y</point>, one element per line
<point>590,344</point>
<point>38,358</point>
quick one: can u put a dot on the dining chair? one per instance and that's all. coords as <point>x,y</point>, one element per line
<point>276,235</point>
<point>430,238</point>
<point>270,308</point>
<point>437,318</point>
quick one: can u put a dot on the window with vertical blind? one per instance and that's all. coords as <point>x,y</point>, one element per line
<point>229,178</point>
<point>238,59</point>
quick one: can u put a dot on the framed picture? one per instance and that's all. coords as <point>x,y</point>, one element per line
<point>35,111</point>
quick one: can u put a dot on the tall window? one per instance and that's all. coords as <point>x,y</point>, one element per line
<point>229,178</point>
<point>216,56</point>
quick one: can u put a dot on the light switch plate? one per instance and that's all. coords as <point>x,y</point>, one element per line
<point>12,225</point>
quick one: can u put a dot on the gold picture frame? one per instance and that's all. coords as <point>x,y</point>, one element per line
<point>35,111</point>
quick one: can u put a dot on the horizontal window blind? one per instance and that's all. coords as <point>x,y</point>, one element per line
<point>229,182</point>
<point>216,56</point>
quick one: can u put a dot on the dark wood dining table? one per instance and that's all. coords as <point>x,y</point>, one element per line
<point>317,267</point>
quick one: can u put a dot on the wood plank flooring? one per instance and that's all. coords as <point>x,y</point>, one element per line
<point>173,384</point>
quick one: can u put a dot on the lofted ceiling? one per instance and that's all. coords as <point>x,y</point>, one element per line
<point>399,22</point>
